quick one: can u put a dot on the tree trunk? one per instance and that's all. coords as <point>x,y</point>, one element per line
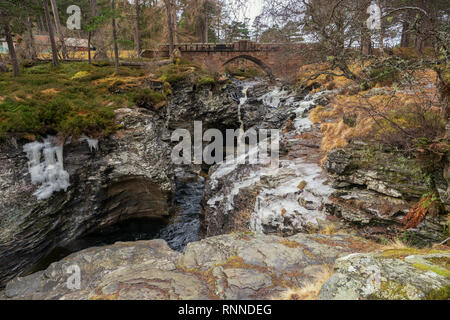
<point>94,7</point>
<point>138,29</point>
<point>89,47</point>
<point>51,34</point>
<point>366,43</point>
<point>31,38</point>
<point>171,31</point>
<point>404,42</point>
<point>381,40</point>
<point>3,67</point>
<point>58,28</point>
<point>11,49</point>
<point>443,90</point>
<point>116,48</point>
<point>206,25</point>
<point>100,52</point>
<point>42,24</point>
<point>174,22</point>
<point>419,43</point>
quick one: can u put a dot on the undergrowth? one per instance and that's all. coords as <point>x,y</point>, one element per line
<point>70,99</point>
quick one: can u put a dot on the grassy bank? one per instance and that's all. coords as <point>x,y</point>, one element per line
<point>70,99</point>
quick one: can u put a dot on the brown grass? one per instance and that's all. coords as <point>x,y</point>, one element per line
<point>310,291</point>
<point>417,213</point>
<point>395,244</point>
<point>366,110</point>
<point>328,229</point>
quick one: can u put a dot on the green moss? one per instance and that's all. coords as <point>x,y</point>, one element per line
<point>147,98</point>
<point>436,269</point>
<point>247,72</point>
<point>401,253</point>
<point>174,73</point>
<point>206,80</point>
<point>393,290</point>
<point>64,99</point>
<point>80,75</point>
<point>405,174</point>
<point>440,294</point>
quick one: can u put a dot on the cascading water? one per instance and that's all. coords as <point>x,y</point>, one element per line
<point>295,192</point>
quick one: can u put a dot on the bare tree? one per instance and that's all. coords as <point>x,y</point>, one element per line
<point>171,24</point>
<point>11,49</point>
<point>381,39</point>
<point>3,67</point>
<point>31,45</point>
<point>114,31</point>
<point>58,28</point>
<point>55,60</point>
<point>94,11</point>
<point>138,28</point>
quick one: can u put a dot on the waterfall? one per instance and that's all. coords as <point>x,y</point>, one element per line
<point>50,173</point>
<point>242,102</point>
<point>296,191</point>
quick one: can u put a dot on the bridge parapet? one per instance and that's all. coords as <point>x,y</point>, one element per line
<point>240,46</point>
<point>274,58</point>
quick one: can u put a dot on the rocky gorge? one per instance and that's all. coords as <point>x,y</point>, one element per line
<point>264,229</point>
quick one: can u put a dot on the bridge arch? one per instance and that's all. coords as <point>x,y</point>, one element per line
<point>257,61</point>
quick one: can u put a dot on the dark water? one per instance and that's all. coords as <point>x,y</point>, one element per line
<point>183,228</point>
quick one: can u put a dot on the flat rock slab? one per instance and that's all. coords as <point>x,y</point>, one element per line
<point>234,266</point>
<point>389,276</point>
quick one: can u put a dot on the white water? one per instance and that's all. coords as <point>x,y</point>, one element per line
<point>286,200</point>
<point>274,97</point>
<point>50,173</point>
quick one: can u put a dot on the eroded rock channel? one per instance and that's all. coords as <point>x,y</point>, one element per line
<point>126,188</point>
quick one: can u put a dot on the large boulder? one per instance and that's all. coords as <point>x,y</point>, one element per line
<point>235,266</point>
<point>402,274</point>
<point>130,175</point>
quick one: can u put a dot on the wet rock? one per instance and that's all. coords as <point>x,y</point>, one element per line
<point>379,171</point>
<point>380,276</point>
<point>259,197</point>
<point>107,186</point>
<point>235,266</point>
<point>217,108</point>
<point>376,189</point>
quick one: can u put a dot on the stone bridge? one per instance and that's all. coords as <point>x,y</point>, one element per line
<point>275,59</point>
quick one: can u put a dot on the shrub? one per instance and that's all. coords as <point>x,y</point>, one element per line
<point>147,98</point>
<point>64,99</point>
<point>205,80</point>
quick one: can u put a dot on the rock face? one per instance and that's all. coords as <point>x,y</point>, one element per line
<point>129,176</point>
<point>375,189</point>
<point>385,276</point>
<point>284,200</point>
<point>235,266</point>
<point>216,107</point>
